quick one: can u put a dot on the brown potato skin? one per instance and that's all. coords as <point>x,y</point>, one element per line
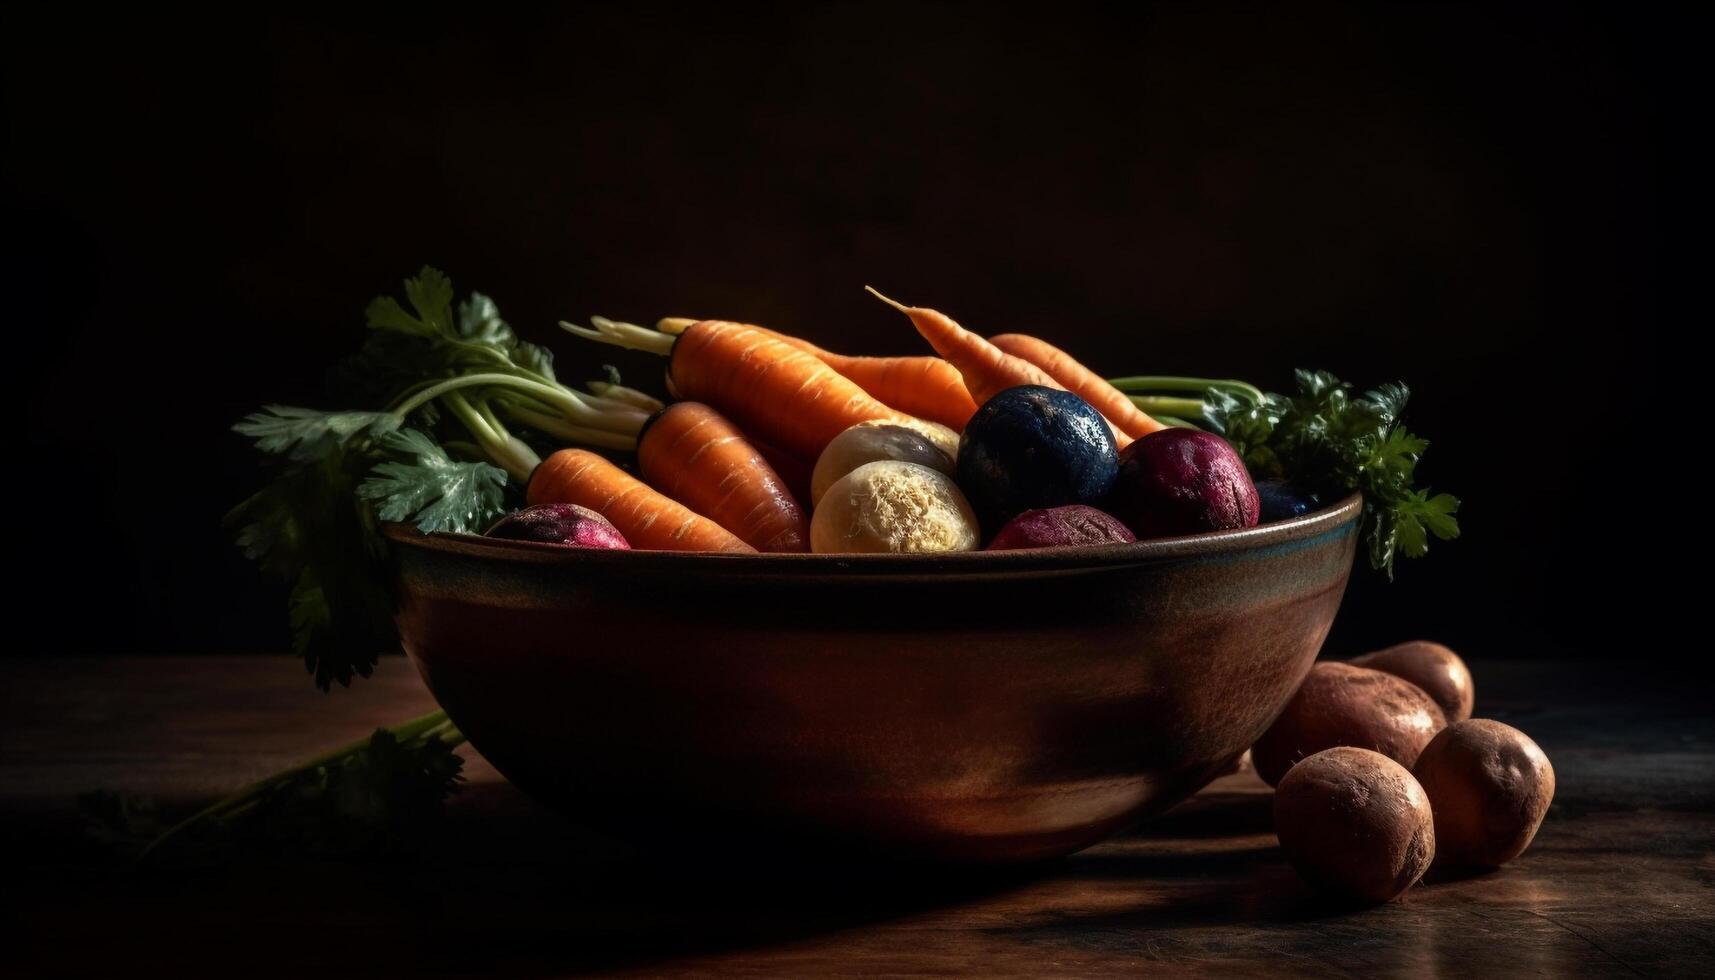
<point>1490,787</point>
<point>1355,823</point>
<point>1339,704</point>
<point>1431,666</point>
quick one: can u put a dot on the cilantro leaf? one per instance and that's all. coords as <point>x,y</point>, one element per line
<point>434,491</point>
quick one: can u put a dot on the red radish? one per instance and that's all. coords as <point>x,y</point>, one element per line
<point>567,524</point>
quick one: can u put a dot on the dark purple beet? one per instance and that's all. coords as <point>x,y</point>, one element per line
<point>1032,447</point>
<point>1061,527</point>
<point>1183,481</point>
<point>1281,500</point>
<point>567,524</point>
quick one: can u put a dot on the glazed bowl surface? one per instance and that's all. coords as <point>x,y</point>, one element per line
<point>989,706</point>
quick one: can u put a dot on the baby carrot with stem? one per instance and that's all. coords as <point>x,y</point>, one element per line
<point>1081,381</point>
<point>987,369</point>
<point>773,390</point>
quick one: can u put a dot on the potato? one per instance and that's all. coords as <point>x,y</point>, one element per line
<point>893,506</point>
<point>868,442</point>
<point>1431,666</point>
<point>1339,704</point>
<point>1355,823</point>
<point>1490,786</point>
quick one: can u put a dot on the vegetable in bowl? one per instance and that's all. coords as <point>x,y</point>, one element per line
<point>1182,481</point>
<point>566,524</point>
<point>1072,526</point>
<point>1032,447</point>
<point>456,421</point>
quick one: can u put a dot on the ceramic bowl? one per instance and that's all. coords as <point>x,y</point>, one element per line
<point>990,706</point>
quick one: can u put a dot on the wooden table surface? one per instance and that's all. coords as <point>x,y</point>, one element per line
<point>1620,882</point>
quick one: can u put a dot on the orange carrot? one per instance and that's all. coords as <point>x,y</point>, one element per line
<point>691,453</point>
<point>927,387</point>
<point>987,369</point>
<point>649,521</point>
<point>1114,405</point>
<point>772,389</point>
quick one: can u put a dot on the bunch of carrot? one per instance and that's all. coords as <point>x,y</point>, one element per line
<point>757,404</point>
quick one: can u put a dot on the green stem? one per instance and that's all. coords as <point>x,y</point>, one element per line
<point>487,413</point>
<point>432,723</point>
<point>506,450</point>
<point>1158,405</point>
<point>564,401</point>
<point>560,429</point>
<point>425,395</point>
<point>1143,383</point>
<point>466,450</point>
<point>527,401</point>
<point>627,335</point>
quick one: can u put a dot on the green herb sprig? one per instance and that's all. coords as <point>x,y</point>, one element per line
<point>371,797</point>
<point>447,383</point>
<point>1324,439</point>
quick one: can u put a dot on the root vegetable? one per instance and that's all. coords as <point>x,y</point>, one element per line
<point>1490,787</point>
<point>892,506</point>
<point>1061,527</point>
<point>566,524</point>
<point>1339,704</point>
<point>1183,481</point>
<point>1355,823</point>
<point>1431,666</point>
<point>869,442</point>
<point>1032,447</point>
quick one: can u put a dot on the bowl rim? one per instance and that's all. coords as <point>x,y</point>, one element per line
<point>1315,524</point>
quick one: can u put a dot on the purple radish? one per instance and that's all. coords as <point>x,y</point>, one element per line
<point>1061,527</point>
<point>1183,481</point>
<point>566,524</point>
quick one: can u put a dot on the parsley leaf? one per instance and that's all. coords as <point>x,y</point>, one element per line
<point>368,798</point>
<point>1327,440</point>
<point>434,491</point>
<point>339,474</point>
<point>306,433</point>
<point>432,340</point>
<point>310,530</point>
<point>371,801</point>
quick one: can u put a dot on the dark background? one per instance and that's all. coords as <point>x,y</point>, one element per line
<point>1469,199</point>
